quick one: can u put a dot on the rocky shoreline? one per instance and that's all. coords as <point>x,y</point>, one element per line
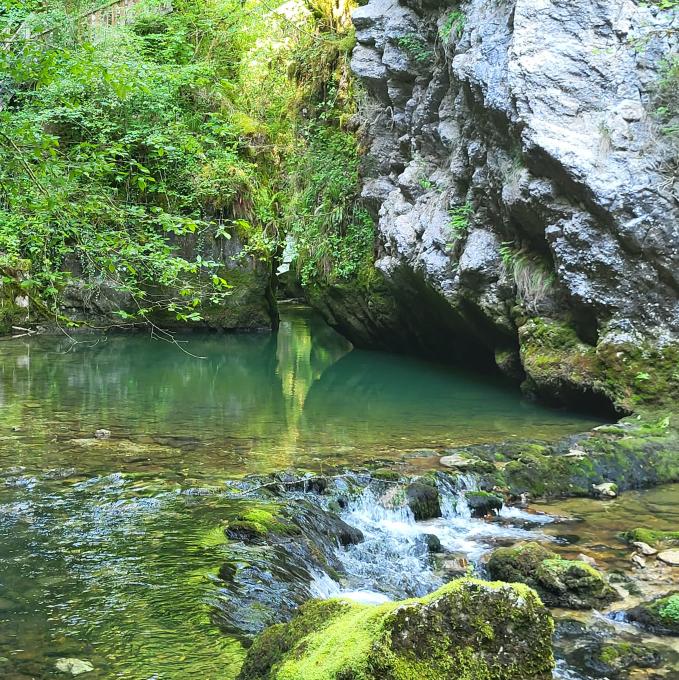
<point>302,537</point>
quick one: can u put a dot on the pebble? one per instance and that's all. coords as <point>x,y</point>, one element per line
<point>644,548</point>
<point>638,560</point>
<point>670,557</point>
<point>74,666</point>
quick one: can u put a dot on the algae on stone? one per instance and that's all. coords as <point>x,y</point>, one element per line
<point>467,630</point>
<point>660,616</point>
<point>559,582</point>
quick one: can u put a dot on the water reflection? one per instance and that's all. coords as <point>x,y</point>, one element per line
<point>253,402</point>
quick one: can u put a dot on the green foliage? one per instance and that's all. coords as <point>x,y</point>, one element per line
<point>453,24</point>
<point>416,47</point>
<point>669,609</point>
<point>460,219</point>
<point>334,232</point>
<point>667,97</point>
<point>117,144</point>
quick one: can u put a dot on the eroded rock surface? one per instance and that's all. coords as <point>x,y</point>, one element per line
<point>525,196</point>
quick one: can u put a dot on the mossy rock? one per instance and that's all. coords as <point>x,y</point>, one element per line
<point>423,499</point>
<point>615,658</point>
<point>651,537</point>
<point>641,451</point>
<point>562,368</point>
<point>482,503</point>
<point>660,616</point>
<point>467,630</point>
<point>258,523</point>
<point>572,584</point>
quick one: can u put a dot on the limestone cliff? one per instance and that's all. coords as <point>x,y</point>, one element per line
<point>525,193</point>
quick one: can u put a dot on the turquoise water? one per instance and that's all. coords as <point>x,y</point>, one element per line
<point>108,547</point>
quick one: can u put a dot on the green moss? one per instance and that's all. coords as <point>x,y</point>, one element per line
<point>560,366</point>
<point>258,522</point>
<point>660,616</point>
<point>560,582</point>
<point>668,609</point>
<point>621,656</point>
<point>386,474</point>
<point>651,536</point>
<point>467,630</point>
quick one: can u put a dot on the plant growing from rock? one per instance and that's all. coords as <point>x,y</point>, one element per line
<point>416,47</point>
<point>460,220</point>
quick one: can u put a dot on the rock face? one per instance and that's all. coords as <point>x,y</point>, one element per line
<point>526,206</point>
<point>466,630</point>
<point>560,583</point>
<point>249,306</point>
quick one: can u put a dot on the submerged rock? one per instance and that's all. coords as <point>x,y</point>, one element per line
<point>73,666</point>
<point>615,658</point>
<point>560,583</point>
<point>467,630</point>
<point>660,616</point>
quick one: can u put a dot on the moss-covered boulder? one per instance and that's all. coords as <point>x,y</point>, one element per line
<point>652,537</point>
<point>482,503</point>
<point>423,500</point>
<point>467,630</point>
<point>615,659</point>
<point>561,583</point>
<point>660,616</point>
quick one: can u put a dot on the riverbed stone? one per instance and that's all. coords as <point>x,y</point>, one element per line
<point>466,630</point>
<point>73,666</point>
<point>670,557</point>
<point>644,548</point>
<point>659,616</point>
<point>571,584</point>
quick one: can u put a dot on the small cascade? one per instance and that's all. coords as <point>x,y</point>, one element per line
<point>393,559</point>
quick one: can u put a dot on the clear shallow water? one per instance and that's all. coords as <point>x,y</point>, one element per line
<point>107,546</point>
<point>255,402</point>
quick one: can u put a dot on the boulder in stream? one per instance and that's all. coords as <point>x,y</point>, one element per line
<point>466,630</point>
<point>423,500</point>
<point>572,584</point>
<point>482,503</point>
<point>659,616</point>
